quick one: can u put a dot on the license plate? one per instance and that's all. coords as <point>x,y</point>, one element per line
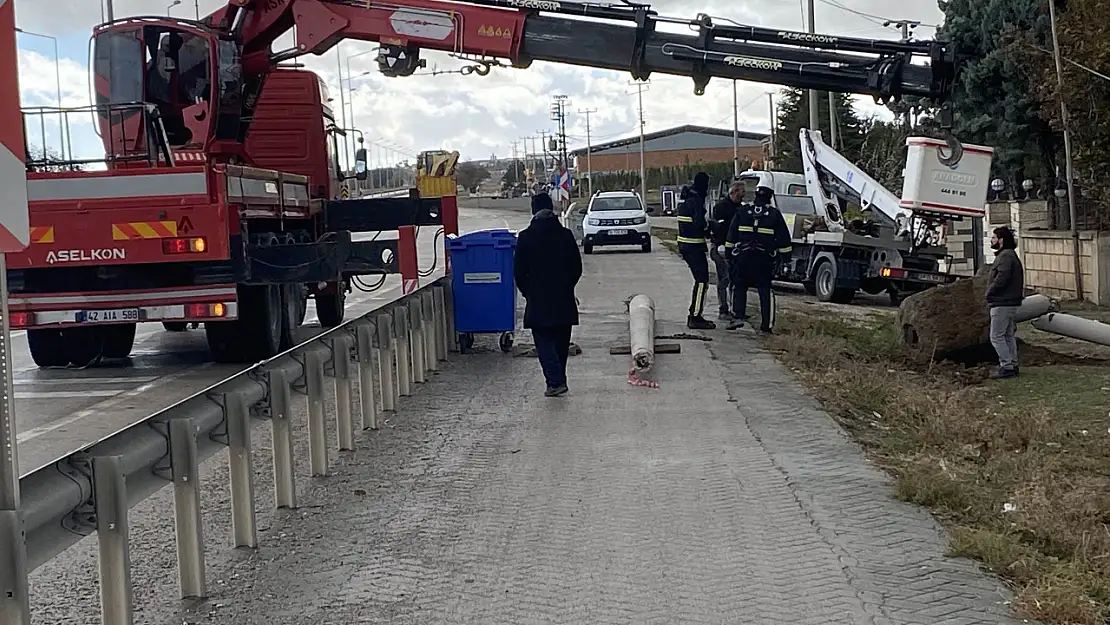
<point>618,233</point>
<point>927,277</point>
<point>118,314</point>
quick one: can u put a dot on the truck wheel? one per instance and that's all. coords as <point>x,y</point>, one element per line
<point>302,304</point>
<point>48,348</point>
<point>290,314</point>
<point>587,249</point>
<point>256,335</point>
<point>331,307</point>
<point>175,326</point>
<point>118,340</point>
<point>810,288</point>
<point>84,346</point>
<point>824,281</point>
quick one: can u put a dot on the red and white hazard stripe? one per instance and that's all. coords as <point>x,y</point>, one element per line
<point>188,157</point>
<point>15,229</point>
<point>410,285</point>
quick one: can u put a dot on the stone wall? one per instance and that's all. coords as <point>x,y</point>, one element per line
<point>1049,260</point>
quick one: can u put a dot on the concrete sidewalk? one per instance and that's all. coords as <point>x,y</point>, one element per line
<point>724,497</point>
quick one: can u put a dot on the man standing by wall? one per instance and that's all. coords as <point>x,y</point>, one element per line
<point>723,212</point>
<point>692,229</point>
<point>547,267</point>
<point>1005,292</point>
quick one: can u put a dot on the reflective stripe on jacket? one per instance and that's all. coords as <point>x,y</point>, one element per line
<point>692,228</point>
<point>764,232</point>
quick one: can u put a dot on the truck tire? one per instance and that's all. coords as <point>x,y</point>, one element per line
<point>256,334</point>
<point>331,307</point>
<point>48,348</point>
<point>291,314</point>
<point>118,340</point>
<point>175,326</point>
<point>84,346</point>
<point>824,281</point>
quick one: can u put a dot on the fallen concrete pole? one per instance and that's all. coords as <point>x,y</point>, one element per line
<point>641,332</point>
<point>1074,327</point>
<point>1035,306</point>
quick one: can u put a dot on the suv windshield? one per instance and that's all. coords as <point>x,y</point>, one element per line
<point>616,204</point>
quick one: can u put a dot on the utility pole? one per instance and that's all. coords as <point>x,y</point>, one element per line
<point>543,150</point>
<point>1068,164</point>
<point>111,11</point>
<point>589,150</point>
<point>735,132</point>
<point>771,107</point>
<point>640,87</point>
<point>814,122</point>
<point>559,115</point>
<point>343,108</point>
<point>196,7</point>
<point>832,120</point>
<point>905,26</point>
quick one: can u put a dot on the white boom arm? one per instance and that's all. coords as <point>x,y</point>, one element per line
<point>820,162</point>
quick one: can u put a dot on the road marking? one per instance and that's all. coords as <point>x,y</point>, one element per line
<point>72,381</point>
<point>65,394</point>
<point>101,407</point>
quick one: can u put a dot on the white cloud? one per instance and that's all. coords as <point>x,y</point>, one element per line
<point>480,115</point>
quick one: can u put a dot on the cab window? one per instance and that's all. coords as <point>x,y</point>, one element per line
<point>796,189</point>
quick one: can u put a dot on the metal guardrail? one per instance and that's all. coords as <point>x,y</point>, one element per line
<point>387,350</point>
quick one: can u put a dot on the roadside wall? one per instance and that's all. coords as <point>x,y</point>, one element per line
<point>1048,255</point>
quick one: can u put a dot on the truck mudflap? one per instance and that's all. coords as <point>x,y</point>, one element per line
<point>189,304</point>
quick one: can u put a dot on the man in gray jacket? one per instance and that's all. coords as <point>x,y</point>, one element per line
<point>1005,291</point>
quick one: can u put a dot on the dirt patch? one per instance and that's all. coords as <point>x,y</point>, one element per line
<point>1019,469</point>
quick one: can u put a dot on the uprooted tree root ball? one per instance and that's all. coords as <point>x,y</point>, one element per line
<point>1019,470</point>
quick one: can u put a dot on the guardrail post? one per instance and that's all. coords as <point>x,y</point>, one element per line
<point>416,323</point>
<point>15,607</point>
<point>341,369</point>
<point>317,433</point>
<point>244,527</point>
<point>281,424</point>
<point>186,507</point>
<point>110,501</point>
<point>366,361</point>
<point>387,347</point>
<point>449,313</point>
<point>431,330</point>
<point>440,305</point>
<point>404,350</point>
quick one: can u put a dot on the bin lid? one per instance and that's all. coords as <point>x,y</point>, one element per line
<point>497,237</point>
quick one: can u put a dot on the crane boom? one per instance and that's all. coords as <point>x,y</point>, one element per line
<point>158,60</point>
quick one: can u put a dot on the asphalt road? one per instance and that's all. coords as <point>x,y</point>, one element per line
<point>59,411</point>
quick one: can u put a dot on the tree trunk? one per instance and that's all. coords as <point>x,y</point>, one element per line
<point>949,322</point>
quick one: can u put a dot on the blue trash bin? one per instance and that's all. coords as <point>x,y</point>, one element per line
<point>483,287</point>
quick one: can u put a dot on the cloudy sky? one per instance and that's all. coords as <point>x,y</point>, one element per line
<point>479,116</point>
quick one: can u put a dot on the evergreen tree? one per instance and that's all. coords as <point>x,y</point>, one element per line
<point>995,102</point>
<point>793,115</point>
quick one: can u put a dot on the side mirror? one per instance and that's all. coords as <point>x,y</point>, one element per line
<point>650,210</point>
<point>360,164</point>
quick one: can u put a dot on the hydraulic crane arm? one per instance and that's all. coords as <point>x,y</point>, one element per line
<point>619,36</point>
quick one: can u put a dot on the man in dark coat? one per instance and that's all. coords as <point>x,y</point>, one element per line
<point>547,267</point>
<point>1005,292</point>
<point>692,232</point>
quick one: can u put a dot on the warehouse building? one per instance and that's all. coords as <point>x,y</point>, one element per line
<point>675,147</point>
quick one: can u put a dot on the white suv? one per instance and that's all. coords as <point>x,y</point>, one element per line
<point>615,218</point>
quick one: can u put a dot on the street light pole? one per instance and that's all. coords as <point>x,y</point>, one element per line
<point>62,130</point>
<point>814,123</point>
<point>735,132</point>
<point>172,5</point>
<point>640,86</point>
<point>1068,164</point>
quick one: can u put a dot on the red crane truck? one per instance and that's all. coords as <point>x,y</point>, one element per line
<point>218,202</point>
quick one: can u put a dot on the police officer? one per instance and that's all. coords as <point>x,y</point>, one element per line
<point>692,231</point>
<point>758,240</point>
<point>723,212</point>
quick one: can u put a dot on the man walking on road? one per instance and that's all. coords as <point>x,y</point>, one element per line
<point>692,230</point>
<point>723,212</point>
<point>547,267</point>
<point>1005,292</point>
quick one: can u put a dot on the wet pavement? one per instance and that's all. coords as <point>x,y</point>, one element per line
<point>725,496</point>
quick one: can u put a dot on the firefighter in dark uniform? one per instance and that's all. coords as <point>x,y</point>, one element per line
<point>758,241</point>
<point>692,232</point>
